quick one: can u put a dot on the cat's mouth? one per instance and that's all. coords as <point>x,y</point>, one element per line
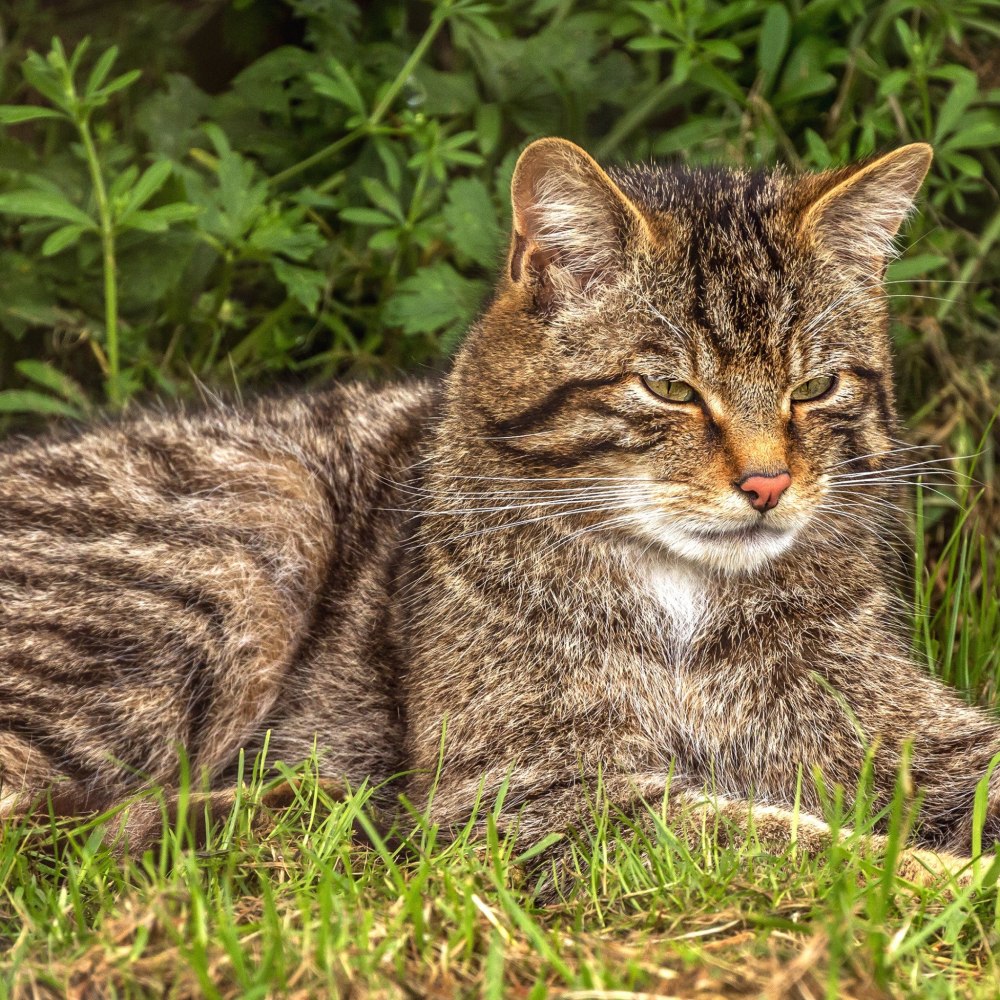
<point>739,532</point>
<point>735,547</point>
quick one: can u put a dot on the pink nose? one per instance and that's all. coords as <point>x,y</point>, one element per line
<point>764,492</point>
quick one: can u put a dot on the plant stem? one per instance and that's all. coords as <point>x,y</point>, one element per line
<point>112,387</point>
<point>991,233</point>
<point>380,110</point>
<point>241,351</point>
<point>636,116</point>
<point>221,294</point>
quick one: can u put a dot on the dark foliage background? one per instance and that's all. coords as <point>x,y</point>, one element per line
<point>300,189</point>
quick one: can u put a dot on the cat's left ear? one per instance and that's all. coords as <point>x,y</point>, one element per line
<point>574,228</point>
<point>857,220</point>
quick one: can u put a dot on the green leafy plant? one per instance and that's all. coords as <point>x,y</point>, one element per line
<point>112,209</point>
<point>338,204</point>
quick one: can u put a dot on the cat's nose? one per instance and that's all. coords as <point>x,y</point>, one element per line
<point>764,492</point>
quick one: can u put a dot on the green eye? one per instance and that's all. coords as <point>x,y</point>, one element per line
<point>666,388</point>
<point>814,388</point>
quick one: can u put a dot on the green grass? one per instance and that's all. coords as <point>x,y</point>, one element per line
<point>295,903</point>
<point>302,909</point>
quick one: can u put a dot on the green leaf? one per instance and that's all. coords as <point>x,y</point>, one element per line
<point>914,267</point>
<point>722,49</point>
<point>731,12</point>
<point>176,211</point>
<point>29,401</point>
<point>964,163</point>
<point>145,222</point>
<point>287,236</point>
<point>540,847</point>
<point>57,57</point>
<point>147,185</point>
<point>44,79</point>
<point>304,284</point>
<point>435,298</point>
<point>61,238</point>
<point>49,377</point>
<point>488,124</point>
<point>118,83</point>
<point>156,220</point>
<point>775,31</point>
<point>44,204</point>
<point>385,240</point>
<point>651,43</point>
<point>893,83</point>
<point>122,182</point>
<point>978,136</point>
<point>383,198</point>
<point>961,95</point>
<point>100,71</point>
<point>688,135</point>
<point>14,114</point>
<point>681,68</point>
<point>367,217</point>
<point>819,152</point>
<point>338,85</point>
<point>387,154</point>
<point>716,79</point>
<point>471,220</point>
<point>809,86</point>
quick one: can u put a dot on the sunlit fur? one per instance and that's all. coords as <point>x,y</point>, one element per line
<point>537,573</point>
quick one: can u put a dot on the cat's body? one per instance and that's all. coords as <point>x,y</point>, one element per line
<point>551,555</point>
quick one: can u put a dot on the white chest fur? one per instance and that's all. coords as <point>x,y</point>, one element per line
<point>681,597</point>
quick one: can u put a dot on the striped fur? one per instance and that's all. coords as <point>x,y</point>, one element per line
<point>537,555</point>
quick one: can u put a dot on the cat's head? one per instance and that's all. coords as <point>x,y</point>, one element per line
<point>698,355</point>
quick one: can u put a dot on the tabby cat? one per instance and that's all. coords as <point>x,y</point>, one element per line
<point>643,529</point>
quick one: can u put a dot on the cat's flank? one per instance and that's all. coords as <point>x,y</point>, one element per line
<point>643,530</point>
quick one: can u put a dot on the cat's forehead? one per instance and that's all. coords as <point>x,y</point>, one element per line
<point>732,283</point>
<point>726,200</point>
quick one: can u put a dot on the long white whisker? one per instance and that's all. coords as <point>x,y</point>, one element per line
<point>880,454</point>
<point>521,523</point>
<point>503,508</point>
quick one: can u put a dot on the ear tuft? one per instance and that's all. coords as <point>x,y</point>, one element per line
<point>571,221</point>
<point>857,220</point>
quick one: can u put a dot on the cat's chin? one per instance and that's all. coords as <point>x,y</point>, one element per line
<point>736,550</point>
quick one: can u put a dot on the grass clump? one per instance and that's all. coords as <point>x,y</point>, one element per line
<point>294,904</point>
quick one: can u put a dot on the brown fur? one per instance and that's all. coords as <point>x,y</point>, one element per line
<point>523,554</point>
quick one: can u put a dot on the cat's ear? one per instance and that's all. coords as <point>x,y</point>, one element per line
<point>572,224</point>
<point>856,220</point>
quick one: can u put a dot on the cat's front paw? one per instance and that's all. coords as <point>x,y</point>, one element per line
<point>935,868</point>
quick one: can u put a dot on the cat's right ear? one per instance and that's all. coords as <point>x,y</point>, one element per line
<point>856,221</point>
<point>572,224</point>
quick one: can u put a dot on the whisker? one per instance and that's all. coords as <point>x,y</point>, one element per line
<point>520,523</point>
<point>880,454</point>
<point>504,508</point>
<point>588,529</point>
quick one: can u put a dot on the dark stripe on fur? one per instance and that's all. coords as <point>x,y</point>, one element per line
<point>550,405</point>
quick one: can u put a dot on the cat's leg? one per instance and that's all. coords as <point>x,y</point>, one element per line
<point>947,770</point>
<point>944,747</point>
<point>779,830</point>
<point>691,814</point>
